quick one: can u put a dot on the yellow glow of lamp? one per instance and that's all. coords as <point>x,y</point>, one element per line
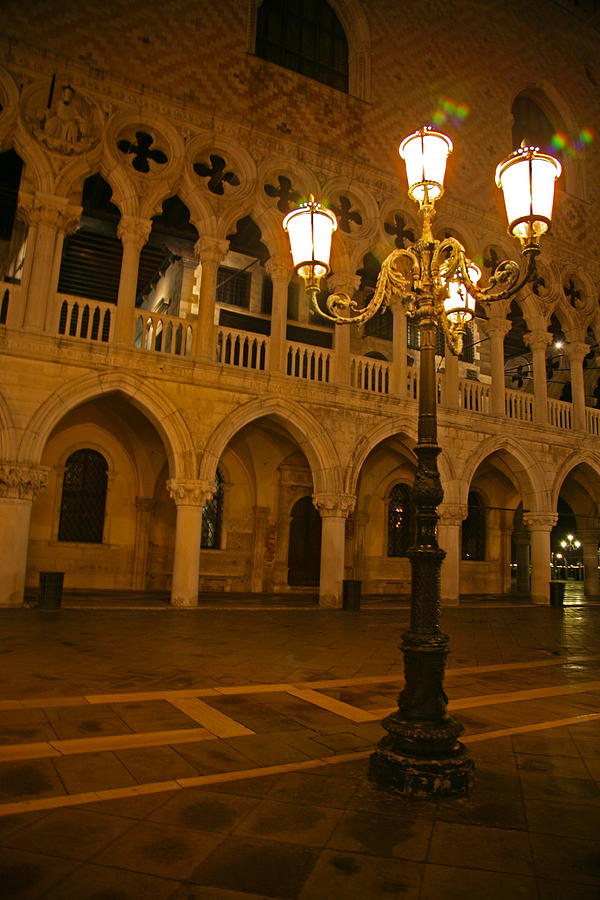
<point>459,305</point>
<point>527,179</point>
<point>310,228</point>
<point>425,153</point>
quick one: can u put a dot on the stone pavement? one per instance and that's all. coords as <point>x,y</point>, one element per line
<point>222,754</point>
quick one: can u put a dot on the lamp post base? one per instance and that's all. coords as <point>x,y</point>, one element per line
<point>421,777</point>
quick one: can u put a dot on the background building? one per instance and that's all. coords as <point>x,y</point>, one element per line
<point>173,415</point>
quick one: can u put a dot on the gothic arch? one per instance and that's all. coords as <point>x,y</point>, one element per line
<point>156,407</point>
<point>528,475</point>
<point>8,441</point>
<point>319,448</point>
<point>356,27</point>
<point>576,458</point>
<point>368,442</point>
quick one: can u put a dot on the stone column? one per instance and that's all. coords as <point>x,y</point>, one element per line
<point>449,539</point>
<point>261,517</point>
<point>497,327</point>
<point>450,379</point>
<point>211,252</point>
<point>576,352</point>
<point>133,233</point>
<point>43,219</point>
<point>190,497</point>
<point>538,341</point>
<point>280,275</point>
<point>68,223</point>
<point>540,525</point>
<point>333,509</point>
<point>521,539</point>
<point>343,284</point>
<point>590,538</point>
<point>143,507</point>
<point>399,349</point>
<point>19,485</point>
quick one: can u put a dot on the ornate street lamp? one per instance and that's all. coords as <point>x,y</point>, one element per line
<point>421,755</point>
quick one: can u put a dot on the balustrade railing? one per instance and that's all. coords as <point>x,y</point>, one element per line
<point>592,421</point>
<point>474,395</point>
<point>308,362</point>
<point>370,374</point>
<point>560,414</point>
<point>163,334</point>
<point>90,320</point>
<point>519,405</point>
<point>242,349</point>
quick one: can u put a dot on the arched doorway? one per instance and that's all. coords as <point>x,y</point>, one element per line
<point>304,555</point>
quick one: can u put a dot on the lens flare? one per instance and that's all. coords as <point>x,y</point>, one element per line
<point>450,111</point>
<point>560,142</point>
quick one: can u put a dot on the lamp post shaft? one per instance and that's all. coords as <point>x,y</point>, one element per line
<point>420,755</point>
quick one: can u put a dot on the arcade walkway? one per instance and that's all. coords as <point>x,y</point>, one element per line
<point>221,754</point>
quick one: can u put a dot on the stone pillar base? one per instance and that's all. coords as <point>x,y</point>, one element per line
<point>421,777</point>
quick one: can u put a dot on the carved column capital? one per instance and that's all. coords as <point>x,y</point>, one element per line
<point>537,339</point>
<point>576,350</point>
<point>133,230</point>
<point>22,482</point>
<point>211,249</point>
<point>45,209</point>
<point>540,521</point>
<point>343,284</point>
<point>190,492</point>
<point>70,219</point>
<point>278,271</point>
<point>497,326</point>
<point>452,514</point>
<point>339,505</point>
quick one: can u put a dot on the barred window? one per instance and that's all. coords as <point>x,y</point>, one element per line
<point>83,498</point>
<point>413,338</point>
<point>473,529</point>
<point>212,517</point>
<point>305,36</point>
<point>401,520</point>
<point>233,287</point>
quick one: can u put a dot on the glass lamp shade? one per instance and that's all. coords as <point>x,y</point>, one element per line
<point>459,305</point>
<point>309,229</point>
<point>425,153</point>
<point>527,180</point>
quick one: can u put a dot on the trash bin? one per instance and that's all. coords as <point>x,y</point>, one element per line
<point>51,586</point>
<point>351,594</point>
<point>557,593</point>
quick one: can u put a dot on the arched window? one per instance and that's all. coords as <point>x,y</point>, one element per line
<point>401,520</point>
<point>83,498</point>
<point>533,125</point>
<point>473,529</point>
<point>212,517</point>
<point>306,37</point>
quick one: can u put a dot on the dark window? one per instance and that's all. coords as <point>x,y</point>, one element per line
<point>473,529</point>
<point>266,300</point>
<point>413,339</point>
<point>401,520</point>
<point>532,125</point>
<point>11,166</point>
<point>83,498</point>
<point>212,517</point>
<point>306,37</point>
<point>381,325</point>
<point>233,287</point>
<point>304,551</point>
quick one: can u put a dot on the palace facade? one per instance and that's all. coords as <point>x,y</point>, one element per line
<point>173,415</point>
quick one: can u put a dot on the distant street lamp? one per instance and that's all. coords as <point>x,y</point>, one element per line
<point>421,755</point>
<point>571,547</point>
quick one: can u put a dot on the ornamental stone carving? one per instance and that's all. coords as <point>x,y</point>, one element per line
<point>334,504</point>
<point>22,482</point>
<point>191,492</point>
<point>540,521</point>
<point>62,118</point>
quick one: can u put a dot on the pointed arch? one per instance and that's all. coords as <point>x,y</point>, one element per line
<point>157,408</point>
<point>312,438</point>
<point>572,461</point>
<point>530,479</point>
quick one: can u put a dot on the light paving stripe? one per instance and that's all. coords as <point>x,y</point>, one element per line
<point>345,710</point>
<point>214,721</point>
<point>23,806</point>
<point>47,749</point>
<point>512,697</point>
<point>41,702</point>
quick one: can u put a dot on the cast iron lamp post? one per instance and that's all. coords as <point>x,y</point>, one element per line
<point>421,755</point>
